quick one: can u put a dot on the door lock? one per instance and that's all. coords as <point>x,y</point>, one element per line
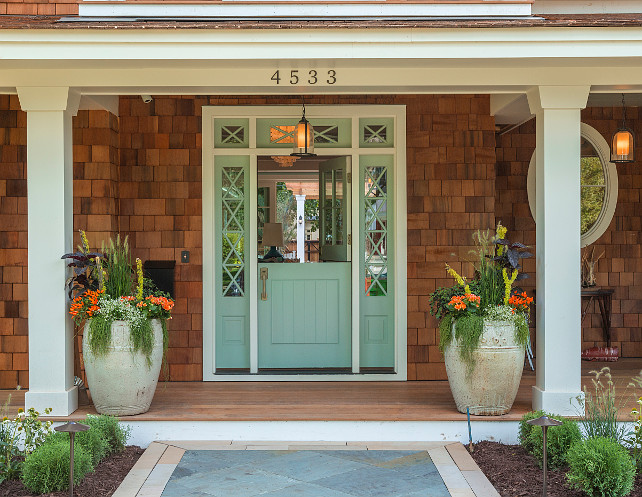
<point>264,277</point>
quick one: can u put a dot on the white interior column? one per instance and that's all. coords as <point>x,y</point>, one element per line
<point>558,371</point>
<point>50,234</point>
<point>300,227</point>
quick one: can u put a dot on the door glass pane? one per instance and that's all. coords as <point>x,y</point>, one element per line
<point>593,186</point>
<point>376,231</point>
<point>338,206</point>
<point>233,233</point>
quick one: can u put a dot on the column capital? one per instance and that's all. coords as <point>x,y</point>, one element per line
<point>48,99</point>
<point>557,97</point>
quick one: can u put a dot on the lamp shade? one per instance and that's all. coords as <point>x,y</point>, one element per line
<point>273,235</point>
<point>303,139</point>
<point>622,148</point>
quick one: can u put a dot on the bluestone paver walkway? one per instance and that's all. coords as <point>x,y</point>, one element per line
<point>305,469</point>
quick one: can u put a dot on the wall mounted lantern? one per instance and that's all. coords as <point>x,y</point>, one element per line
<point>622,148</point>
<point>303,138</point>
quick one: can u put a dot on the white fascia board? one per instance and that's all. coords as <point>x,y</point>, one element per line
<point>587,7</point>
<point>237,10</point>
<point>332,44</point>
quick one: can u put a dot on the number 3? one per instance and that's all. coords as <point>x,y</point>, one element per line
<point>332,77</point>
<point>313,77</point>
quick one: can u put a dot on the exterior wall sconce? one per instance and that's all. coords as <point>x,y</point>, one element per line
<point>622,147</point>
<point>300,219</point>
<point>303,138</point>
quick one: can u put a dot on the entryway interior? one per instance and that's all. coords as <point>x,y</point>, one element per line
<point>304,268</point>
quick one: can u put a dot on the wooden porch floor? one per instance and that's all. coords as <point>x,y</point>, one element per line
<point>325,401</point>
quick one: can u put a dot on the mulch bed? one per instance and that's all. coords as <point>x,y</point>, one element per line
<point>515,473</point>
<point>101,483</point>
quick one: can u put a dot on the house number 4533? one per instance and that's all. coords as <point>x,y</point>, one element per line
<point>299,77</point>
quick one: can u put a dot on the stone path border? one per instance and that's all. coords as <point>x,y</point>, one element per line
<point>150,474</point>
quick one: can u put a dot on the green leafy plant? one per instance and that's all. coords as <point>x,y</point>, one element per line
<point>559,440</point>
<point>19,437</point>
<point>600,467</point>
<point>47,468</point>
<point>91,440</point>
<point>634,438</point>
<point>524,432</point>
<point>489,296</point>
<point>113,432</point>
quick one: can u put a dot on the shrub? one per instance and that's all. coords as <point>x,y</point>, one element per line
<point>559,441</point>
<point>600,416</point>
<point>525,429</point>
<point>91,440</point>
<point>601,467</point>
<point>110,430</point>
<point>47,468</point>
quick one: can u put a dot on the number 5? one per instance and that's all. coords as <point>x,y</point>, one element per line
<point>294,77</point>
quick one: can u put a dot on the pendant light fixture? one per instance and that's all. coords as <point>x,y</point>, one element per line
<point>303,138</point>
<point>622,148</point>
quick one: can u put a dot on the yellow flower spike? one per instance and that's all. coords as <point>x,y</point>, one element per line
<point>467,290</point>
<point>500,234</point>
<point>508,283</point>
<point>139,271</point>
<point>453,273</point>
<point>85,242</point>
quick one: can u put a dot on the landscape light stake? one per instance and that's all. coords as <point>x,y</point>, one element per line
<point>544,422</point>
<point>470,431</point>
<point>72,428</point>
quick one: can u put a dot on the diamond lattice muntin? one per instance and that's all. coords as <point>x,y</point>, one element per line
<point>376,232</point>
<point>233,233</point>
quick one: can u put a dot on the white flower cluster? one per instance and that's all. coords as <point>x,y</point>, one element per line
<point>118,309</point>
<point>499,313</point>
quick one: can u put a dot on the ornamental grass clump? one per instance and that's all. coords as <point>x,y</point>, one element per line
<point>488,296</point>
<point>108,288</point>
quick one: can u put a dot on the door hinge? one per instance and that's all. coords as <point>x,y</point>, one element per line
<point>350,239</point>
<point>349,178</point>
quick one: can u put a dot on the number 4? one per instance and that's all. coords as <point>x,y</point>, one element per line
<point>276,77</point>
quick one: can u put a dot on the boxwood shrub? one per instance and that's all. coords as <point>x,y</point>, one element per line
<point>525,429</point>
<point>601,467</point>
<point>47,468</point>
<point>111,431</point>
<point>559,438</point>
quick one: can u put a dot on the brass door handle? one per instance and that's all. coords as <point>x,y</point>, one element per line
<point>264,277</point>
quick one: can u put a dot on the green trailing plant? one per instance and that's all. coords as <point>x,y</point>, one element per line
<point>559,440</point>
<point>600,467</point>
<point>464,307</point>
<point>122,294</point>
<point>47,468</point>
<point>600,417</point>
<point>19,437</point>
<point>110,430</point>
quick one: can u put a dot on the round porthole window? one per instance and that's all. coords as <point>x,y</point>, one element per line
<point>599,186</point>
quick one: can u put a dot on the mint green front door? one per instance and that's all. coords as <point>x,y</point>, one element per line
<point>304,321</point>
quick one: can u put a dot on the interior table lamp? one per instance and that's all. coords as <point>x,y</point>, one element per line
<point>273,238</point>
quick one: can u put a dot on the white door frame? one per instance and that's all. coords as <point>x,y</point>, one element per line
<point>398,113</point>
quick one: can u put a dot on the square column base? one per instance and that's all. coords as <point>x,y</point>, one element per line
<point>62,403</point>
<point>562,403</point>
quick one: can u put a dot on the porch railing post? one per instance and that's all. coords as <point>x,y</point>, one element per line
<point>558,340</point>
<point>50,235</point>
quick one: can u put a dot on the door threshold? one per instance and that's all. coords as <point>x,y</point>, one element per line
<point>298,371</point>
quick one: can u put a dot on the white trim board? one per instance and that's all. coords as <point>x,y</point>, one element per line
<point>290,9</point>
<point>398,112</point>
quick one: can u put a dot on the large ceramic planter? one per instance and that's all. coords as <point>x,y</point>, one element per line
<point>499,361</point>
<point>121,382</point>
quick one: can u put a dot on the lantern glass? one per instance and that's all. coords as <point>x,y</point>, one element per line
<point>622,147</point>
<point>303,139</point>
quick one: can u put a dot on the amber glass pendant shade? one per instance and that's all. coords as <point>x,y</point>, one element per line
<point>622,148</point>
<point>303,138</point>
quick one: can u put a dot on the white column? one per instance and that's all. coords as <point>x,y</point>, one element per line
<point>558,371</point>
<point>300,227</point>
<point>50,233</point>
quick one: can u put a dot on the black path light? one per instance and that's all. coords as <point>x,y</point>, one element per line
<point>544,422</point>
<point>72,428</point>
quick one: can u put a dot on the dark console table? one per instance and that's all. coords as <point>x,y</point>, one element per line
<point>604,298</point>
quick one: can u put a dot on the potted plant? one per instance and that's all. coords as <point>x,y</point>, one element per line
<point>483,326</point>
<point>125,327</point>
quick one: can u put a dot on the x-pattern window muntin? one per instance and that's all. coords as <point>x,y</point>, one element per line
<point>376,198</point>
<point>233,233</point>
<point>233,134</point>
<point>375,133</point>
